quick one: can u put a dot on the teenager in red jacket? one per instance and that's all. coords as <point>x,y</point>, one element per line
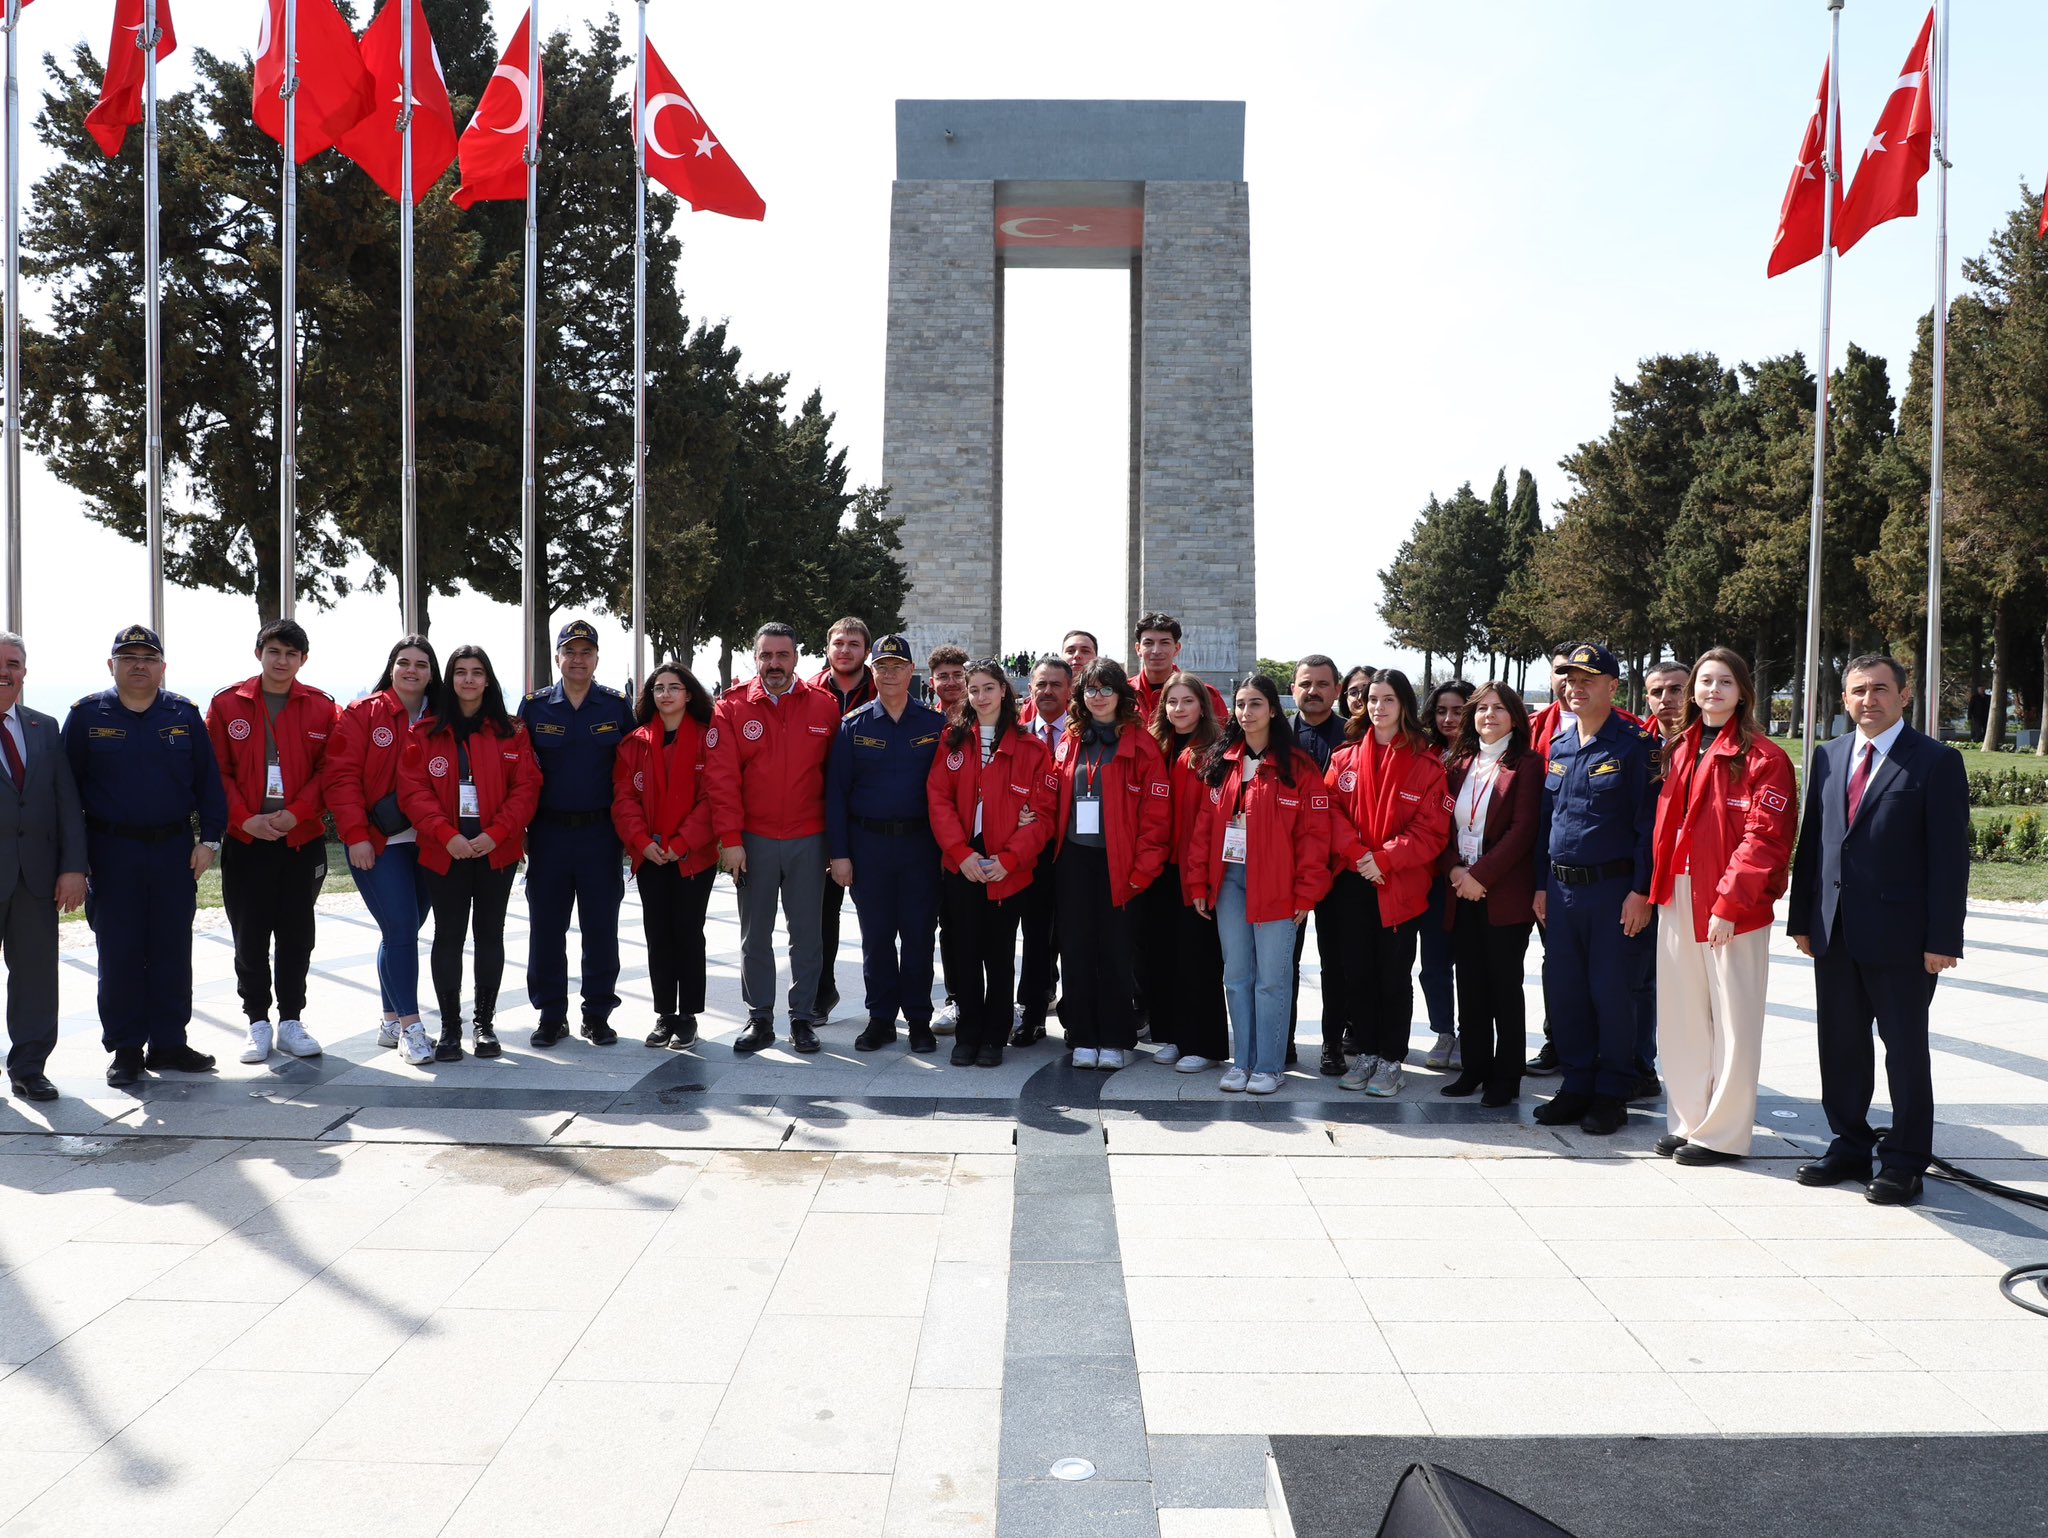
<point>1495,782</point>
<point>270,734</point>
<point>1725,827</point>
<point>991,794</point>
<point>1179,959</point>
<point>1115,823</point>
<point>661,807</point>
<point>471,785</point>
<point>1258,863</point>
<point>1389,822</point>
<point>360,782</point>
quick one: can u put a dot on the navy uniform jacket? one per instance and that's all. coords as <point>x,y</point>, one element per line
<point>1893,883</point>
<point>145,769</point>
<point>1599,801</point>
<point>576,745</point>
<point>878,770</point>
<point>1319,742</point>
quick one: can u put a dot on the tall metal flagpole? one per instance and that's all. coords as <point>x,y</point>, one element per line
<point>1930,667</point>
<point>529,503</point>
<point>1831,164</point>
<point>152,323</point>
<point>640,356</point>
<point>288,330</point>
<point>10,379</point>
<point>408,475</point>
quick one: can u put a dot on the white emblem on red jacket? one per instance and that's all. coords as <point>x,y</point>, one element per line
<point>437,766</point>
<point>1215,795</point>
<point>639,780</point>
<point>1347,781</point>
<point>954,760</point>
<point>238,729</point>
<point>383,737</point>
<point>751,731</point>
<point>711,738</point>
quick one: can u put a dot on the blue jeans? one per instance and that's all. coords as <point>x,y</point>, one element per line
<point>1258,979</point>
<point>397,900</point>
<point>1438,995</point>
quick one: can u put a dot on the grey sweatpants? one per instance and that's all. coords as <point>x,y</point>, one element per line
<point>791,870</point>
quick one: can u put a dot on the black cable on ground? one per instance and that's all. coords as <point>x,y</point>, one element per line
<point>2014,1284</point>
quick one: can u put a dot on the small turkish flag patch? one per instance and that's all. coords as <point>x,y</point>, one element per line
<point>1772,799</point>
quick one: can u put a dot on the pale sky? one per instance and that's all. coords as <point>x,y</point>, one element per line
<point>1467,219</point>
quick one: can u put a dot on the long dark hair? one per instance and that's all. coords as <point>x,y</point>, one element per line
<point>411,643</point>
<point>1281,746</point>
<point>1744,719</point>
<point>1109,674</point>
<point>963,725</point>
<point>1409,731</point>
<point>490,710</point>
<point>1344,688</point>
<point>696,703</point>
<point>1206,731</point>
<point>1437,739</point>
<point>1467,745</point>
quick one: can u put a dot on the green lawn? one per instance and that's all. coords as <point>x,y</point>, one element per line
<point>1975,760</point>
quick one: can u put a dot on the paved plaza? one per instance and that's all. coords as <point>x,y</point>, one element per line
<point>623,1292</point>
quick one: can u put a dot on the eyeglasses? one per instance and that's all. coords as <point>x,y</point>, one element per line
<point>1097,692</point>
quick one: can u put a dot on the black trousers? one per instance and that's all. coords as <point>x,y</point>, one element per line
<point>672,909</point>
<point>1330,953</point>
<point>28,936</point>
<point>1038,973</point>
<point>828,941</point>
<point>1493,1025</point>
<point>1848,997</point>
<point>1096,942</point>
<point>268,890</point>
<point>471,897</point>
<point>983,937</point>
<point>1180,970</point>
<point>1379,967</point>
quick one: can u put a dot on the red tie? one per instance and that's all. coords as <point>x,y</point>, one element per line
<point>1860,779</point>
<point>15,770</point>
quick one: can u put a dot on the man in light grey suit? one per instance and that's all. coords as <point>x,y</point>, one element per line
<point>42,870</point>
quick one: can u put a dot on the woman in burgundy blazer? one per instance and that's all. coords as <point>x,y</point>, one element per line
<point>1495,786</point>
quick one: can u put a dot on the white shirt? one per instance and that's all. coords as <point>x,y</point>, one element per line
<point>1469,814</point>
<point>1883,742</point>
<point>19,733</point>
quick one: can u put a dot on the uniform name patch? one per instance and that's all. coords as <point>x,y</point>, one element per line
<point>600,728</point>
<point>105,731</point>
<point>924,742</point>
<point>549,729</point>
<point>1409,795</point>
<point>1557,768</point>
<point>1740,803</point>
<point>1605,766</point>
<point>868,742</point>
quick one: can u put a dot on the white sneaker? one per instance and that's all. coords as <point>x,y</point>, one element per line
<point>1440,1054</point>
<point>294,1038</point>
<point>1084,1057</point>
<point>1193,1063</point>
<point>1262,1083</point>
<point>1386,1080</point>
<point>1233,1080</point>
<point>1362,1070</point>
<point>946,1019</point>
<point>1109,1059</point>
<point>387,1033</point>
<point>257,1047</point>
<point>418,1049</point>
<point>1167,1055</point>
<point>1457,1062</point>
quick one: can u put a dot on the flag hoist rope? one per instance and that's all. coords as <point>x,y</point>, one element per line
<point>1831,164</point>
<point>640,357</point>
<point>408,475</point>
<point>288,328</point>
<point>532,600</point>
<point>152,323</point>
<point>10,372</point>
<point>1930,667</point>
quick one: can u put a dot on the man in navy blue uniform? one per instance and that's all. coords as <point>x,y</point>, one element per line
<point>1593,850</point>
<point>144,765</point>
<point>878,836</point>
<point>572,854</point>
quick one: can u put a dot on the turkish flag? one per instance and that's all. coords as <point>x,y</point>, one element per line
<point>690,161</point>
<point>375,143</point>
<point>335,90</point>
<point>494,144</point>
<point>120,104</point>
<point>1800,231</point>
<point>1104,228</point>
<point>1888,178</point>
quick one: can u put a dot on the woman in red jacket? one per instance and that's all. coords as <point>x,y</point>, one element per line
<point>990,792</point>
<point>1179,959</point>
<point>1725,825</point>
<point>1390,820</point>
<point>1113,827</point>
<point>1257,864</point>
<point>661,808</point>
<point>1495,782</point>
<point>470,785</point>
<point>359,778</point>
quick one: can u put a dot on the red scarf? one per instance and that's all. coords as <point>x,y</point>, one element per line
<point>670,796</point>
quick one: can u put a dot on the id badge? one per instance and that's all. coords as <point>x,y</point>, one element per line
<point>465,800</point>
<point>1233,841</point>
<point>1468,846</point>
<point>273,782</point>
<point>1088,816</point>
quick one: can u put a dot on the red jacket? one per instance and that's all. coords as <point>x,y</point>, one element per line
<point>1543,725</point>
<point>1390,802</point>
<point>1190,795</point>
<point>1149,696</point>
<point>1137,810</point>
<point>362,762</point>
<point>765,762</point>
<point>1019,775</point>
<point>862,691</point>
<point>507,780</point>
<point>642,773</point>
<point>1287,839</point>
<point>1506,865</point>
<point>1736,814</point>
<point>235,721</point>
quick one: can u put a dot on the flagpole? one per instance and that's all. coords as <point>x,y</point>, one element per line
<point>1830,163</point>
<point>288,330</point>
<point>408,475</point>
<point>529,502</point>
<point>640,356</point>
<point>10,371</point>
<point>152,324</point>
<point>1930,667</point>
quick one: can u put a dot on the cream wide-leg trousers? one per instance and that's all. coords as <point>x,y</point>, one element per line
<point>1710,1027</point>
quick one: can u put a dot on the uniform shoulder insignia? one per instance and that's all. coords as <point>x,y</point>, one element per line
<point>83,701</point>
<point>177,699</point>
<point>608,690</point>
<point>230,689</point>
<point>532,694</point>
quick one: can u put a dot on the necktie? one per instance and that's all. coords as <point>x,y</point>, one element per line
<point>16,770</point>
<point>1860,780</point>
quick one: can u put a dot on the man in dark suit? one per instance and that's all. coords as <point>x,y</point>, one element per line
<point>1878,888</point>
<point>42,870</point>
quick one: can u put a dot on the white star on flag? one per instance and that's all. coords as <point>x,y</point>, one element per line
<point>706,145</point>
<point>1875,146</point>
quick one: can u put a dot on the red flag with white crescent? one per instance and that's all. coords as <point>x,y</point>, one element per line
<point>1800,233</point>
<point>335,91</point>
<point>678,149</point>
<point>493,149</point>
<point>1899,152</point>
<point>120,103</point>
<point>375,143</point>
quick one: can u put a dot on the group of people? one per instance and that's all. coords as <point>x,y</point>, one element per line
<point>1155,849</point>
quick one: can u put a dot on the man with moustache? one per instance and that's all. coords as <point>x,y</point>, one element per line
<point>1319,729</point>
<point>1052,692</point>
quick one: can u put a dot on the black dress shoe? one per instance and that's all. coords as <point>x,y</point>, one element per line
<point>1563,1109</point>
<point>1496,1098</point>
<point>599,1034</point>
<point>962,1055</point>
<point>1606,1116</point>
<point>1832,1169</point>
<point>803,1037</point>
<point>922,1039</point>
<point>1699,1153</point>
<point>126,1067</point>
<point>1544,1063</point>
<point>1668,1145</point>
<point>548,1032</point>
<point>1894,1188</point>
<point>31,1086</point>
<point>487,1043</point>
<point>1334,1066</point>
<point>990,1056</point>
<point>828,1000</point>
<point>179,1059</point>
<point>1464,1084</point>
<point>879,1034</point>
<point>760,1032</point>
<point>682,1034</point>
<point>1026,1034</point>
<point>664,1027</point>
<point>448,1048</point>
<point>1648,1087</point>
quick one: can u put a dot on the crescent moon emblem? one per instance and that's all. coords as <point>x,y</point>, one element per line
<point>652,134</point>
<point>518,79</point>
<point>1010,227</point>
<point>263,31</point>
